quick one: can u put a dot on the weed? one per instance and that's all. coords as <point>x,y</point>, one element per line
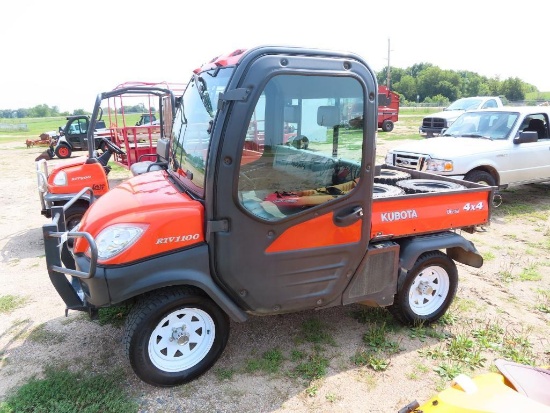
<point>312,391</point>
<point>488,256</point>
<point>331,397</point>
<point>65,391</point>
<point>270,362</point>
<point>368,315</point>
<point>9,303</point>
<point>544,301</point>
<point>448,371</point>
<point>42,335</point>
<point>224,374</point>
<point>116,315</point>
<point>314,368</point>
<point>530,273</point>
<point>313,331</point>
<point>376,338</point>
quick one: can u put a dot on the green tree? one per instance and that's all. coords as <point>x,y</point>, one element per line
<point>513,89</point>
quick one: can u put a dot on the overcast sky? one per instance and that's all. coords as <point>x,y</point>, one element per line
<point>63,53</point>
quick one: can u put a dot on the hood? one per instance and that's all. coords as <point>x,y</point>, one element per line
<point>170,218</point>
<point>445,147</point>
<point>446,114</point>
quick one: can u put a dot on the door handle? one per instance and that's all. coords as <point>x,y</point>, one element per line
<point>349,218</point>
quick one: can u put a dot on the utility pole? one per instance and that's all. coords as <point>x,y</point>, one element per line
<point>388,74</point>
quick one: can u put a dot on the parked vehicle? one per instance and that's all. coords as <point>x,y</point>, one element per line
<point>388,111</point>
<point>65,180</point>
<point>228,232</point>
<point>74,136</point>
<point>497,147</point>
<point>514,387</point>
<point>437,122</point>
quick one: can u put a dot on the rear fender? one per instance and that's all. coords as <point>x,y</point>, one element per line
<point>458,248</point>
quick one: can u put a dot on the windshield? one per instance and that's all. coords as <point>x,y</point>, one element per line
<point>192,126</point>
<point>464,104</point>
<point>488,125</point>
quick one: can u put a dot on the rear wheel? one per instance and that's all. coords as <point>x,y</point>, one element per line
<point>427,290</point>
<point>175,335</point>
<point>481,177</point>
<point>63,151</point>
<point>387,126</point>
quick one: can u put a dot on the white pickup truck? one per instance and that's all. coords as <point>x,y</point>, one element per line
<point>436,122</point>
<point>497,147</point>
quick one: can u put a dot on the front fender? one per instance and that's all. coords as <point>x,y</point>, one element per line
<point>183,267</point>
<point>458,248</point>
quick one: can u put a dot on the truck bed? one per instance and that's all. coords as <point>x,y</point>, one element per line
<point>413,214</point>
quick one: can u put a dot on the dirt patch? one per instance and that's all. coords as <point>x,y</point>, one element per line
<point>508,291</point>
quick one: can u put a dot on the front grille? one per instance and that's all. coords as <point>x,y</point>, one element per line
<point>409,161</point>
<point>435,123</point>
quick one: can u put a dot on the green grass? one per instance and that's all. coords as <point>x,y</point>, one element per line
<point>8,303</point>
<point>63,391</point>
<point>36,126</point>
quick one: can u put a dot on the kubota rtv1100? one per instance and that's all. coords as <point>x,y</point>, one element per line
<point>231,230</point>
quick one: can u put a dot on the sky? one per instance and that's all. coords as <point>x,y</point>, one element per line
<point>63,53</point>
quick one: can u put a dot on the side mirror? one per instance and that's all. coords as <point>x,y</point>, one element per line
<point>526,137</point>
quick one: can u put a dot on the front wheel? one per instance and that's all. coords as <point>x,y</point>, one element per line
<point>481,177</point>
<point>427,290</point>
<point>63,151</point>
<point>175,335</point>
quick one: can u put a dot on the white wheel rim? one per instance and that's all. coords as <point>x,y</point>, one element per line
<point>181,340</point>
<point>429,290</point>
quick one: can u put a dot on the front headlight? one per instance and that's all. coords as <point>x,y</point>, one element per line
<point>439,165</point>
<point>60,179</point>
<point>116,238</point>
<point>389,158</point>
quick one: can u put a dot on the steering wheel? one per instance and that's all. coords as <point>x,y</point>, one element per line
<point>113,146</point>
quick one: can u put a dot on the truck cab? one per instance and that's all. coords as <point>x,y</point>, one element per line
<point>248,220</point>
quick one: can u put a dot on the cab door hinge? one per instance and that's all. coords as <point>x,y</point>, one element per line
<point>240,94</point>
<point>221,225</point>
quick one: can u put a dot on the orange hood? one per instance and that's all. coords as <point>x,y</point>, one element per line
<point>171,219</point>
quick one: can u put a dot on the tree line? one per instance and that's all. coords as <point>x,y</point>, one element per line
<point>426,83</point>
<point>420,83</point>
<point>45,111</point>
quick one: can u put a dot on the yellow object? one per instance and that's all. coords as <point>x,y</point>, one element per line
<point>486,393</point>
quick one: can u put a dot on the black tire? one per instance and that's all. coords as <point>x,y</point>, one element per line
<point>481,177</point>
<point>159,341</point>
<point>384,191</point>
<point>426,291</point>
<point>73,215</point>
<point>416,186</point>
<point>63,151</point>
<point>387,126</point>
<point>391,176</point>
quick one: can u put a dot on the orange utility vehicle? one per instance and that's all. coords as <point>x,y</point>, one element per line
<point>207,240</point>
<point>66,179</point>
<point>388,108</point>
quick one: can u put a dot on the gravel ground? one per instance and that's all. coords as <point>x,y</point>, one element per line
<point>484,296</point>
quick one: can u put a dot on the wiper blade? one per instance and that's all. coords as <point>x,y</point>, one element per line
<point>475,135</point>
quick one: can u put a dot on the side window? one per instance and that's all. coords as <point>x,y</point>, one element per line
<point>489,104</point>
<point>300,150</point>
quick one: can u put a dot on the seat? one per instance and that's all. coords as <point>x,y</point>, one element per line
<point>160,162</point>
<point>537,125</point>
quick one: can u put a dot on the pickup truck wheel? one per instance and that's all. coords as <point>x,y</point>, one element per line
<point>415,186</point>
<point>174,335</point>
<point>390,176</point>
<point>383,190</point>
<point>427,290</point>
<point>63,151</point>
<point>387,126</point>
<point>481,177</point>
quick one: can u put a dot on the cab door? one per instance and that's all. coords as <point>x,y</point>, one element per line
<point>290,217</point>
<point>75,133</point>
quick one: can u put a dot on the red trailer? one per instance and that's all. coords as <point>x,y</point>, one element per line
<point>388,108</point>
<point>138,139</point>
